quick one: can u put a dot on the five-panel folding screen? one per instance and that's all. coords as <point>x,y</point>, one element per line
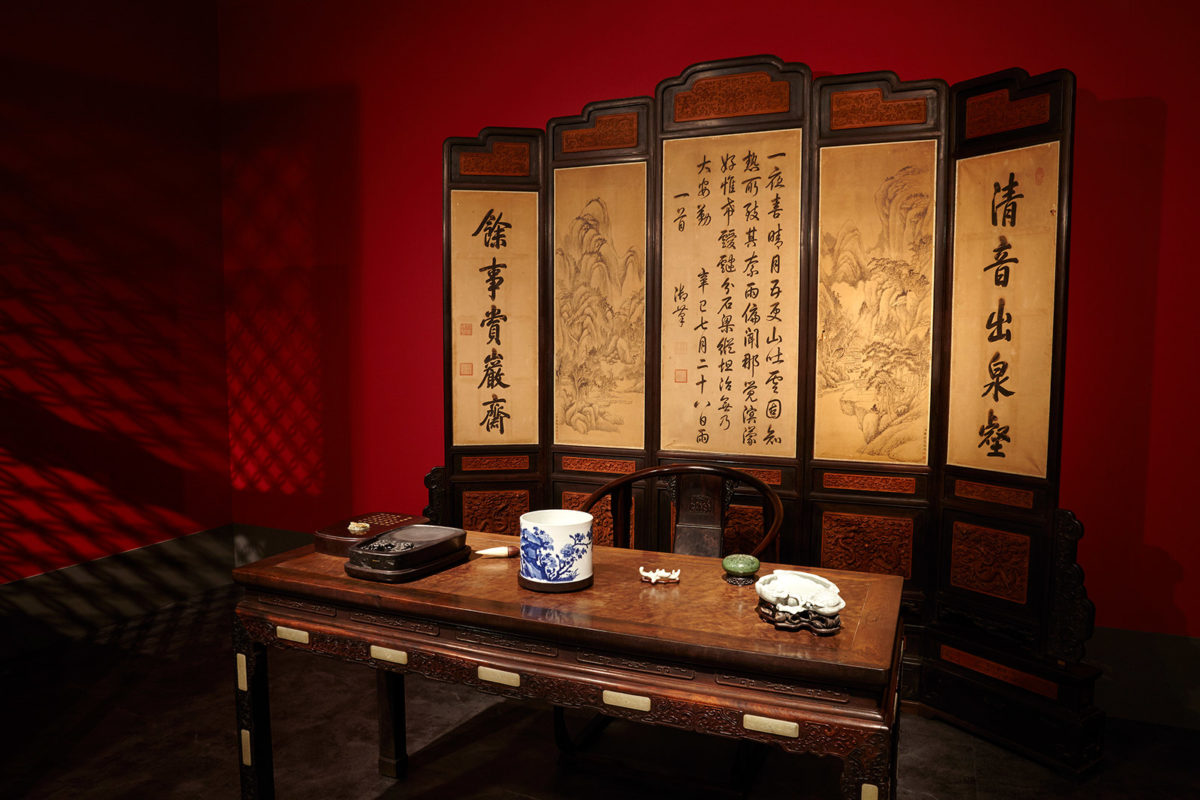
<point>853,288</point>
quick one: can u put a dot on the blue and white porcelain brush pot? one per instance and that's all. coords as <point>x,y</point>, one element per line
<point>556,550</point>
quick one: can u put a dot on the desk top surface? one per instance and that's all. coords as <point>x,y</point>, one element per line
<point>702,620</point>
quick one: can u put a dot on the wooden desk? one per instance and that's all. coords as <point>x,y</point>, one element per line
<point>692,655</point>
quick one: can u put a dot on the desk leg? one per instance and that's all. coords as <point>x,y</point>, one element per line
<point>253,715</point>
<point>869,772</point>
<point>393,745</point>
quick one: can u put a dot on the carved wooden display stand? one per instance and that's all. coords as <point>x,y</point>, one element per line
<point>853,288</point>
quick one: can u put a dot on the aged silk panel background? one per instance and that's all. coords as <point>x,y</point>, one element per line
<point>600,305</point>
<point>875,291</point>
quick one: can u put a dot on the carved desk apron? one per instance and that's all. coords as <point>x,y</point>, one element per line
<point>691,655</point>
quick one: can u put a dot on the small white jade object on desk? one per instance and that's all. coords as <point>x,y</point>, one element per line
<point>659,575</point>
<point>795,592</point>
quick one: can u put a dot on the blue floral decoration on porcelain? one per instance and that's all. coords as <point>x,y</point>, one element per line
<point>539,562</point>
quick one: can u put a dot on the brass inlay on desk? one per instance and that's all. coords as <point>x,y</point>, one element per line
<point>243,681</point>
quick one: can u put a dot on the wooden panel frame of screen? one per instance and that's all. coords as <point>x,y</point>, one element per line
<point>492,481</point>
<point>864,123</point>
<point>747,96</point>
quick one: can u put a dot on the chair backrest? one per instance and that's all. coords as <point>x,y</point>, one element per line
<point>701,494</point>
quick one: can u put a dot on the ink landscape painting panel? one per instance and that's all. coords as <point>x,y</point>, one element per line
<point>600,305</point>
<point>875,296</point>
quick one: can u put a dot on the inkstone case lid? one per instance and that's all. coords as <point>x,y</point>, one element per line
<point>337,539</point>
<point>408,553</point>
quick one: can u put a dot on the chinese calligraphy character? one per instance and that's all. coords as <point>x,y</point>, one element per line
<point>493,371</point>
<point>491,320</point>
<point>996,322</point>
<point>994,435</point>
<point>996,372</point>
<point>493,276</point>
<point>1004,200</point>
<point>495,415</point>
<point>1003,259</point>
<point>775,179</point>
<point>493,228</point>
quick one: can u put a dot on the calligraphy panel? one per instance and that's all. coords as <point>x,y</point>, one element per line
<point>600,305</point>
<point>494,317</point>
<point>730,293</point>
<point>875,295</point>
<point>1005,247</point>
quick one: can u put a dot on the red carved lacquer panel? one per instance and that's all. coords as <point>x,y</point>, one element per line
<point>989,561</point>
<point>487,463</point>
<point>866,108</point>
<point>494,511</point>
<point>507,159</point>
<point>771,477</point>
<point>741,95</point>
<point>743,528</point>
<point>610,132</point>
<point>1000,672</point>
<point>602,521</point>
<point>1021,498</point>
<point>995,113</point>
<point>896,484</point>
<point>867,543</point>
<point>608,466</point>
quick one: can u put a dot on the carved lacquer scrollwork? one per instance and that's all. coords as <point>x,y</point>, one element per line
<point>743,528</point>
<point>437,482</point>
<point>506,642</point>
<point>867,543</point>
<point>995,112</point>
<point>1073,615</point>
<point>415,626</point>
<point>738,95</point>
<point>866,108</point>
<point>783,688</point>
<point>602,521</point>
<point>300,605</point>
<point>636,665</point>
<point>494,511</point>
<point>990,561</point>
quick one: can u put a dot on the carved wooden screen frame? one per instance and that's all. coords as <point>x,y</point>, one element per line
<point>747,95</point>
<point>606,134</point>
<point>890,503</point>
<point>994,114</point>
<point>488,487</point>
<point>1016,632</point>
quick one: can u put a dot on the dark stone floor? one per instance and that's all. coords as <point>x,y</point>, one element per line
<point>146,711</point>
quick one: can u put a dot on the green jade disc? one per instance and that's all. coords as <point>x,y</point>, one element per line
<point>740,564</point>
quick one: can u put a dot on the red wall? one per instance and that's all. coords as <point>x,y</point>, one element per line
<point>126,420</point>
<point>418,75</point>
<point>113,428</point>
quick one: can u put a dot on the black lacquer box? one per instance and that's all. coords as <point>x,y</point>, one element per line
<point>408,553</point>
